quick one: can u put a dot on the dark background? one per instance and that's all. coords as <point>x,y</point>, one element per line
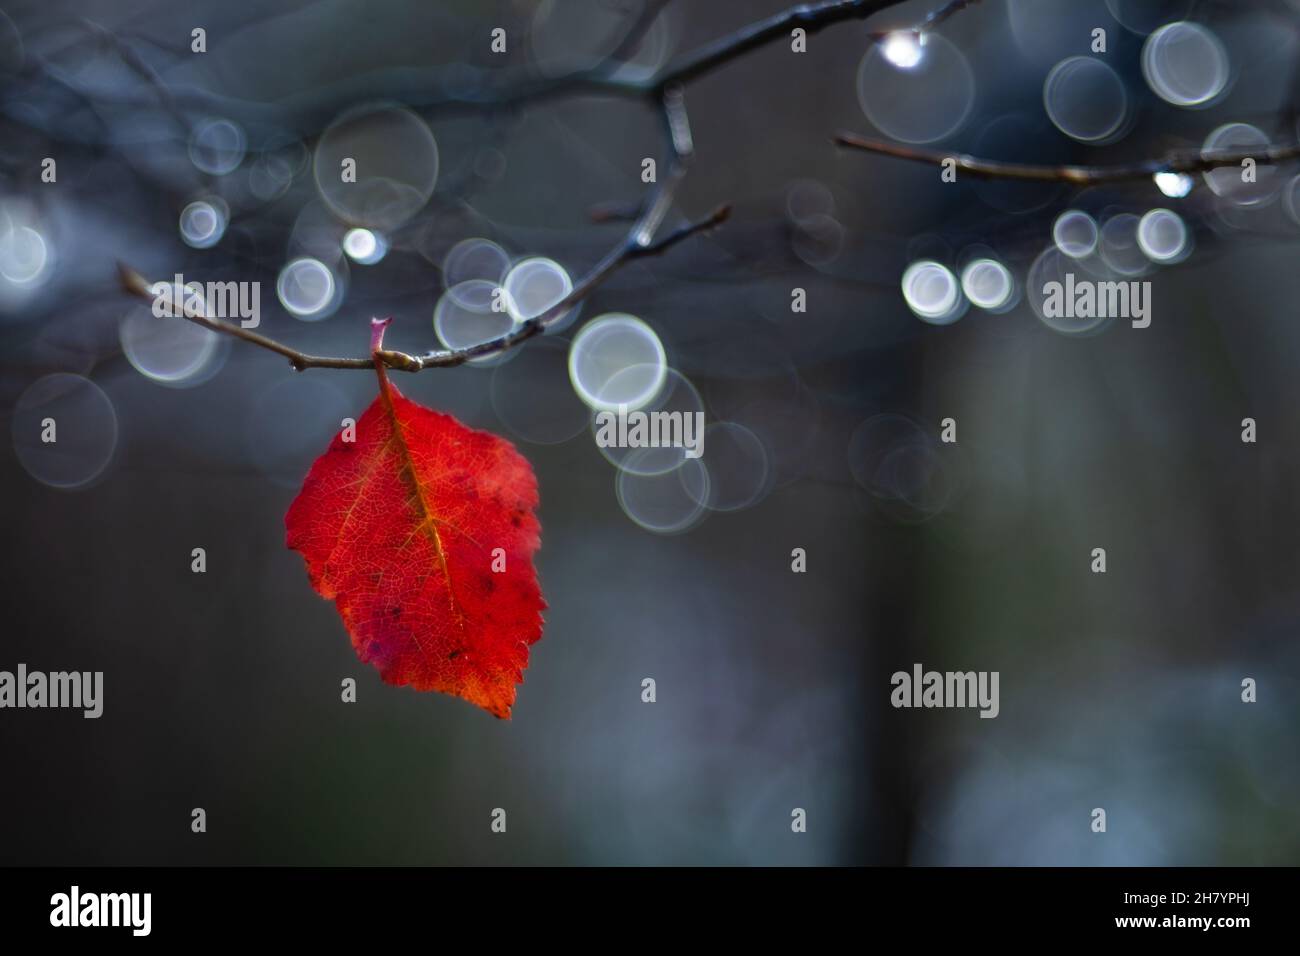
<point>222,690</point>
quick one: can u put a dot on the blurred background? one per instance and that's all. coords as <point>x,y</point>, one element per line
<point>222,690</point>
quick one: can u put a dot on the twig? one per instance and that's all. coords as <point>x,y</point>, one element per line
<point>138,285</point>
<point>638,242</point>
<point>636,33</point>
<point>665,86</point>
<point>421,89</point>
<point>812,17</point>
<point>136,63</point>
<point>1180,161</point>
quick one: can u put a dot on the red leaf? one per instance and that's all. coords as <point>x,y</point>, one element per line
<point>400,528</point>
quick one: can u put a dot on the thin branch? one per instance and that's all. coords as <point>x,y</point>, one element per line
<point>638,242</point>
<point>421,89</point>
<point>136,63</point>
<point>811,17</point>
<point>932,19</point>
<point>626,251</point>
<point>605,78</point>
<point>641,25</point>
<point>1179,161</point>
<point>719,215</point>
<point>138,285</point>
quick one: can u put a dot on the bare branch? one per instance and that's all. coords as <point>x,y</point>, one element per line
<point>1180,161</point>
<point>138,285</point>
<point>812,17</point>
<point>716,218</point>
<point>934,18</point>
<point>422,89</point>
<point>136,63</point>
<point>636,32</point>
<point>638,242</point>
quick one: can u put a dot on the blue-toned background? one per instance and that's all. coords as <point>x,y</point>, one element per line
<point>1119,690</point>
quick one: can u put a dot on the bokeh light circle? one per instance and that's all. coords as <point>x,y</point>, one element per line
<point>84,430</point>
<point>465,316</point>
<point>566,36</point>
<point>808,199</point>
<point>677,396</point>
<point>1119,247</point>
<point>364,247</point>
<point>903,48</point>
<point>1227,181</point>
<point>1291,199</point>
<point>932,292</point>
<point>307,289</point>
<point>270,176</point>
<point>202,224</point>
<point>534,285</point>
<point>921,103</point>
<point>396,166</point>
<point>1143,16</point>
<point>736,462</point>
<point>1085,99</point>
<point>901,467</point>
<point>217,146</point>
<point>1053,266</point>
<point>667,503</point>
<point>474,259</point>
<point>617,360</point>
<point>169,350</point>
<point>24,254</point>
<point>1075,233</point>
<point>988,284</point>
<point>1185,64</point>
<point>1162,235</point>
<point>818,240</point>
